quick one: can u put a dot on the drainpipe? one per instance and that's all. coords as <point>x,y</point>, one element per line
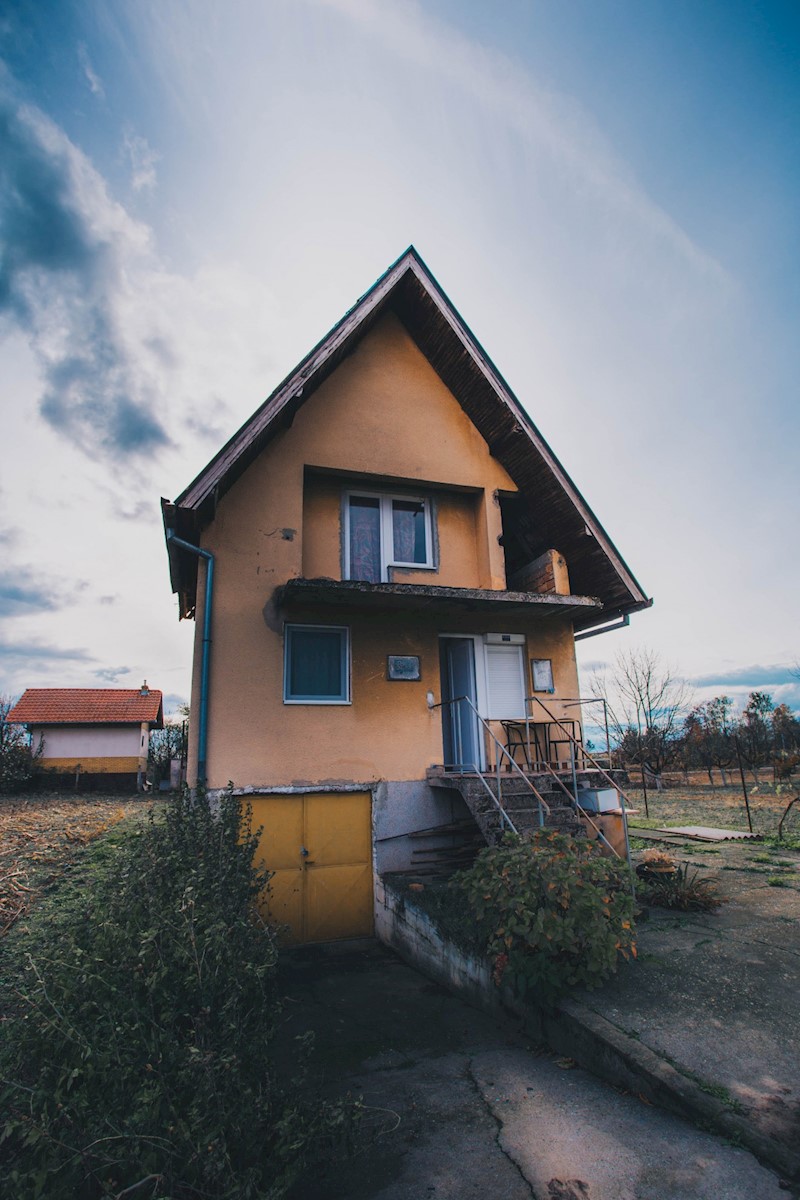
<point>205,661</point>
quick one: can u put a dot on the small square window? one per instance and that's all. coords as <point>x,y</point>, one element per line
<point>542,670</point>
<point>316,664</point>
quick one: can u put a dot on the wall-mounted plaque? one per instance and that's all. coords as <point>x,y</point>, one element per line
<point>542,675</point>
<point>402,666</point>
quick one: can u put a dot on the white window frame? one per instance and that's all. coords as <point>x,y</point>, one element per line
<point>288,628</point>
<point>386,500</point>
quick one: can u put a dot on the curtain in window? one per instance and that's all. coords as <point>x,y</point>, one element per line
<point>365,539</point>
<point>316,658</point>
<point>408,521</point>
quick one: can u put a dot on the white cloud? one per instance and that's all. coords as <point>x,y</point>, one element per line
<point>94,80</point>
<point>548,122</point>
<point>134,358</point>
<point>142,159</point>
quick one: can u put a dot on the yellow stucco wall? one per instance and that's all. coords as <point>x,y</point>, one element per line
<point>383,414</point>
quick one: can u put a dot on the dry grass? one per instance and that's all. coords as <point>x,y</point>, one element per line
<point>719,807</point>
<point>41,834</point>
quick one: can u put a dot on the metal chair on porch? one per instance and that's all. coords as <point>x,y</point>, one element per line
<point>531,737</point>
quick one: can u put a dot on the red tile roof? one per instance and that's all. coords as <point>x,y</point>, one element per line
<point>87,706</point>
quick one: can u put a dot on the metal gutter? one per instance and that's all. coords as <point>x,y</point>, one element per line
<point>205,662</point>
<point>622,623</point>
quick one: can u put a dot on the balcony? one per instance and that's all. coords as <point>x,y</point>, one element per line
<point>388,597</point>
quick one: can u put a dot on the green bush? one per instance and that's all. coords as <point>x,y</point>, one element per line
<point>19,760</point>
<point>553,912</point>
<point>141,1044</point>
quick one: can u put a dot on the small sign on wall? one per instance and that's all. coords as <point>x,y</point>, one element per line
<point>403,666</point>
<point>542,675</point>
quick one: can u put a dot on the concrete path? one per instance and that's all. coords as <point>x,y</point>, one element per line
<point>459,1107</point>
<point>717,995</point>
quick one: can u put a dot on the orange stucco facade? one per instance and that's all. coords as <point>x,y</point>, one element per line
<point>383,421</point>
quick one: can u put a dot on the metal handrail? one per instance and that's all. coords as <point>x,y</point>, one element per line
<point>584,752</point>
<point>499,749</point>
<point>605,775</point>
<point>585,813</point>
<point>504,817</point>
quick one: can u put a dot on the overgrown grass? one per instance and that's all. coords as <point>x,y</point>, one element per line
<point>700,805</point>
<point>445,907</point>
<point>142,1014</point>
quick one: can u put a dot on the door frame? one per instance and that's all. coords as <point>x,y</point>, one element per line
<point>481,691</point>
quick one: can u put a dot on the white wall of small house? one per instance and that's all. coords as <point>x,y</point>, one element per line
<point>91,741</point>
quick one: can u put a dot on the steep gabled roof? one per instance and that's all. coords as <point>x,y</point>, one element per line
<point>562,520</point>
<point>87,706</point>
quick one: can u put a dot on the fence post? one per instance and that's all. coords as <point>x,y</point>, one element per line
<point>744,785</point>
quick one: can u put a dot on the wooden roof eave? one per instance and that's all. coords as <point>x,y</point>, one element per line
<point>182,565</point>
<point>318,364</point>
<point>513,438</point>
<point>525,424</point>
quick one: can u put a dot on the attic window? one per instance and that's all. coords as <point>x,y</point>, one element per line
<point>381,532</point>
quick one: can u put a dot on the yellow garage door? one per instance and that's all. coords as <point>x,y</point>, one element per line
<point>319,848</point>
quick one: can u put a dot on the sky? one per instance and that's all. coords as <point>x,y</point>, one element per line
<point>192,194</point>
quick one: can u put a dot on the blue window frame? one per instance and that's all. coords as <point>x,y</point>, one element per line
<point>316,666</point>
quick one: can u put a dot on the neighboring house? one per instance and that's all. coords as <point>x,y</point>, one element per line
<point>389,562</point>
<point>101,735</point>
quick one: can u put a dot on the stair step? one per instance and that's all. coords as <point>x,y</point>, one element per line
<point>519,805</point>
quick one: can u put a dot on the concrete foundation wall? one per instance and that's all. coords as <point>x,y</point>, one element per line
<point>401,808</point>
<point>415,938</point>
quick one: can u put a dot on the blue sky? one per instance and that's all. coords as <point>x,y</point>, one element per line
<point>190,195</point>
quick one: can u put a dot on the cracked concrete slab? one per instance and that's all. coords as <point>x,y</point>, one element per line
<point>461,1107</point>
<point>568,1126</point>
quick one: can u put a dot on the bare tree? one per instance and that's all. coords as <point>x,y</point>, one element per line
<point>708,735</point>
<point>646,703</point>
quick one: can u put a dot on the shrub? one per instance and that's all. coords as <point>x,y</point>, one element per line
<point>18,759</point>
<point>683,890</point>
<point>661,859</point>
<point>143,1044</point>
<point>553,912</point>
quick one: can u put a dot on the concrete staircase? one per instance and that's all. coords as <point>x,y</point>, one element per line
<point>518,800</point>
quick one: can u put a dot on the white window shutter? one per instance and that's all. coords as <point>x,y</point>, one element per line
<point>506,681</point>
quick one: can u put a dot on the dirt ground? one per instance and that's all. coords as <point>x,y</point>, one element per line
<point>40,833</point>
